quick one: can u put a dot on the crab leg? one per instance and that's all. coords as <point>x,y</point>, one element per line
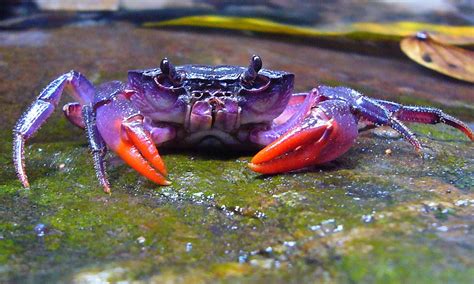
<point>372,111</point>
<point>425,115</point>
<point>41,109</point>
<point>121,126</point>
<point>73,112</point>
<point>391,114</point>
<point>97,146</point>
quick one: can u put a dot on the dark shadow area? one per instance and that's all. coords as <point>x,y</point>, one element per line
<point>216,153</point>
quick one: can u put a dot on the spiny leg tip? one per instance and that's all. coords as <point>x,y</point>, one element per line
<point>107,190</point>
<point>419,151</point>
<point>24,182</point>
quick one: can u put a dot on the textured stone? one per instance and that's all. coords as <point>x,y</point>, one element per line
<point>367,217</point>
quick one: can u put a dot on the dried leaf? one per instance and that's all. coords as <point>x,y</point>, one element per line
<point>464,40</point>
<point>449,60</point>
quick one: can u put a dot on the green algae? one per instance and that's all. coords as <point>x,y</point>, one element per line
<point>392,261</point>
<point>208,216</point>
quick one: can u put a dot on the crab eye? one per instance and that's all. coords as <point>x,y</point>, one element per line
<point>250,79</point>
<point>249,75</point>
<point>169,77</point>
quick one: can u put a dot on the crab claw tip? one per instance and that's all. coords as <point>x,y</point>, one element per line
<point>289,142</point>
<point>296,149</point>
<point>255,167</point>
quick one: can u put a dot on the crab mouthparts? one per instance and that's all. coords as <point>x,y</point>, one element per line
<point>212,110</point>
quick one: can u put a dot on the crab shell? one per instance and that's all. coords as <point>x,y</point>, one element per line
<point>215,100</point>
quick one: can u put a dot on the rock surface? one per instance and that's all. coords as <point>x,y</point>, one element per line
<point>379,213</point>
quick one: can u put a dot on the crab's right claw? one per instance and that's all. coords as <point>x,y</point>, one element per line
<point>298,148</point>
<point>123,131</point>
<point>141,139</point>
<point>138,151</point>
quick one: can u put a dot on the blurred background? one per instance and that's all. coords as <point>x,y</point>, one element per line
<point>309,13</point>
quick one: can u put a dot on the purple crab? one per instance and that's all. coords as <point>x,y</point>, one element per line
<point>233,106</point>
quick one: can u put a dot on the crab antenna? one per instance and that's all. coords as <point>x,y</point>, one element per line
<point>251,73</point>
<point>168,69</point>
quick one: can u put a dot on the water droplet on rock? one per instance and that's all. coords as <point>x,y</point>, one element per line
<point>40,229</point>
<point>243,258</point>
<point>189,247</point>
<point>442,228</point>
<point>462,202</point>
<point>369,218</point>
<point>141,240</point>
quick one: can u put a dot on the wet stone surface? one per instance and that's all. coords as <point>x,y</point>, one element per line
<point>375,214</point>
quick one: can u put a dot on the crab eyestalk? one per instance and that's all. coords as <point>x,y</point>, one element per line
<point>169,70</point>
<point>249,76</point>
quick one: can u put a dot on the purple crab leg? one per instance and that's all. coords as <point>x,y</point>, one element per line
<point>96,145</point>
<point>41,109</point>
<point>371,110</point>
<point>391,114</point>
<point>73,112</point>
<point>425,115</point>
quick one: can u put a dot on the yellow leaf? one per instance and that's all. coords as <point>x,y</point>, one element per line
<point>240,23</point>
<point>460,35</point>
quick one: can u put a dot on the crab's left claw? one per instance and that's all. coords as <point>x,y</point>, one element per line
<point>298,148</point>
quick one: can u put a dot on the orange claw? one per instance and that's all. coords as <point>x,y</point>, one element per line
<point>131,155</point>
<point>294,150</point>
<point>143,141</point>
<point>139,151</point>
